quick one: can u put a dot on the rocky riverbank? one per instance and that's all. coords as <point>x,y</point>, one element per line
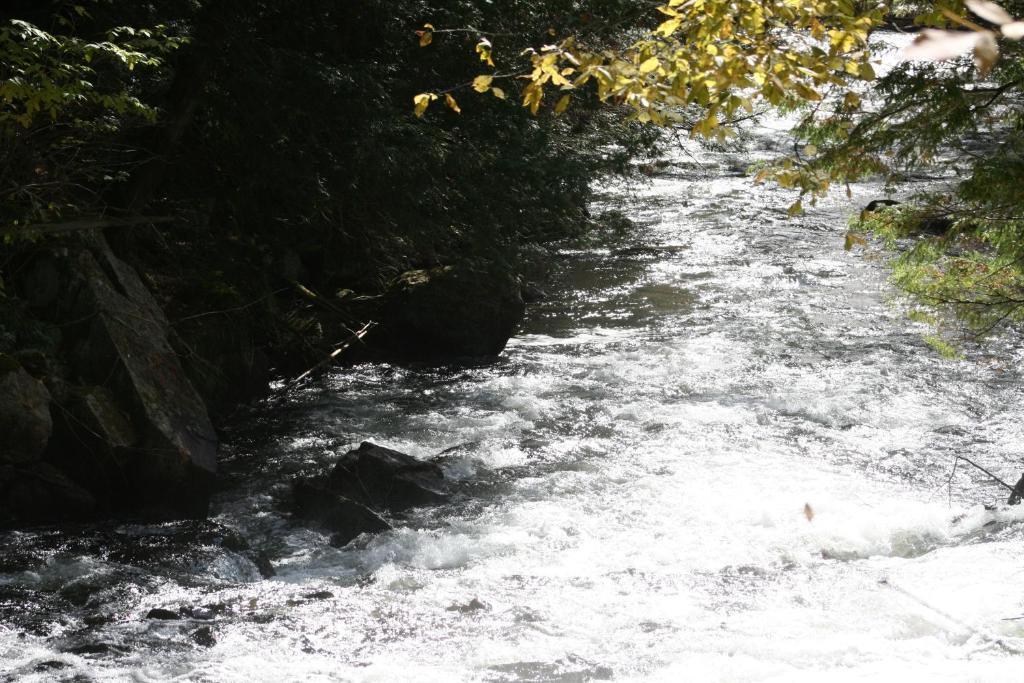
<point>115,369</point>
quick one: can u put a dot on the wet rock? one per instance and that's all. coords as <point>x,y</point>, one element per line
<point>384,479</point>
<point>127,350</point>
<point>936,225</point>
<point>94,649</point>
<point>199,613</point>
<point>39,492</point>
<point>315,502</point>
<point>474,605</point>
<point>50,665</point>
<point>175,546</point>
<point>162,614</point>
<point>877,204</point>
<point>25,420</point>
<point>264,565</point>
<point>203,637</point>
<point>319,595</point>
<point>450,311</point>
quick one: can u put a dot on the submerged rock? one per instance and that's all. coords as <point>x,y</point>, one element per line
<point>203,636</point>
<point>385,479</point>
<point>316,502</point>
<point>162,614</point>
<point>451,311</point>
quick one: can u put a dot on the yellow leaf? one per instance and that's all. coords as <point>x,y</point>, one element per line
<point>649,65</point>
<point>810,150</point>
<point>796,208</point>
<point>426,37</point>
<point>563,104</point>
<point>498,92</point>
<point>483,48</point>
<point>669,27</point>
<point>421,102</point>
<point>852,240</point>
<point>452,104</point>
<point>532,96</point>
<point>482,83</point>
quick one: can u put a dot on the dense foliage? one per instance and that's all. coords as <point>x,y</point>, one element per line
<point>258,163</point>
<point>274,125</point>
<point>962,245</point>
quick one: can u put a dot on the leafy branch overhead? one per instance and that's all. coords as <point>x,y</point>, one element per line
<point>46,74</point>
<point>723,57</point>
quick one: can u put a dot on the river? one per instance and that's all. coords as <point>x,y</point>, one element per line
<point>635,476</point>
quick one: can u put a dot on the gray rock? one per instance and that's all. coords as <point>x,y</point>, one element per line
<point>162,614</point>
<point>451,311</point>
<point>100,419</point>
<point>25,421</point>
<point>315,502</point>
<point>384,479</point>
<point>41,493</point>
<point>127,350</point>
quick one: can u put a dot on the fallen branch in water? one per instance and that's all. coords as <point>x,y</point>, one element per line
<point>358,336</point>
<point>1016,491</point>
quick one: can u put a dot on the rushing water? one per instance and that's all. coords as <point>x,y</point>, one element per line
<point>633,477</point>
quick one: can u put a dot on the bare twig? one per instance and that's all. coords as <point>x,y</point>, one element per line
<point>84,224</point>
<point>229,310</point>
<point>358,336</point>
<point>977,466</point>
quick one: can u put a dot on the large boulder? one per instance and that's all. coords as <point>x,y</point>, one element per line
<point>25,421</point>
<point>450,311</point>
<point>363,482</point>
<point>315,501</point>
<point>384,479</point>
<point>126,350</point>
